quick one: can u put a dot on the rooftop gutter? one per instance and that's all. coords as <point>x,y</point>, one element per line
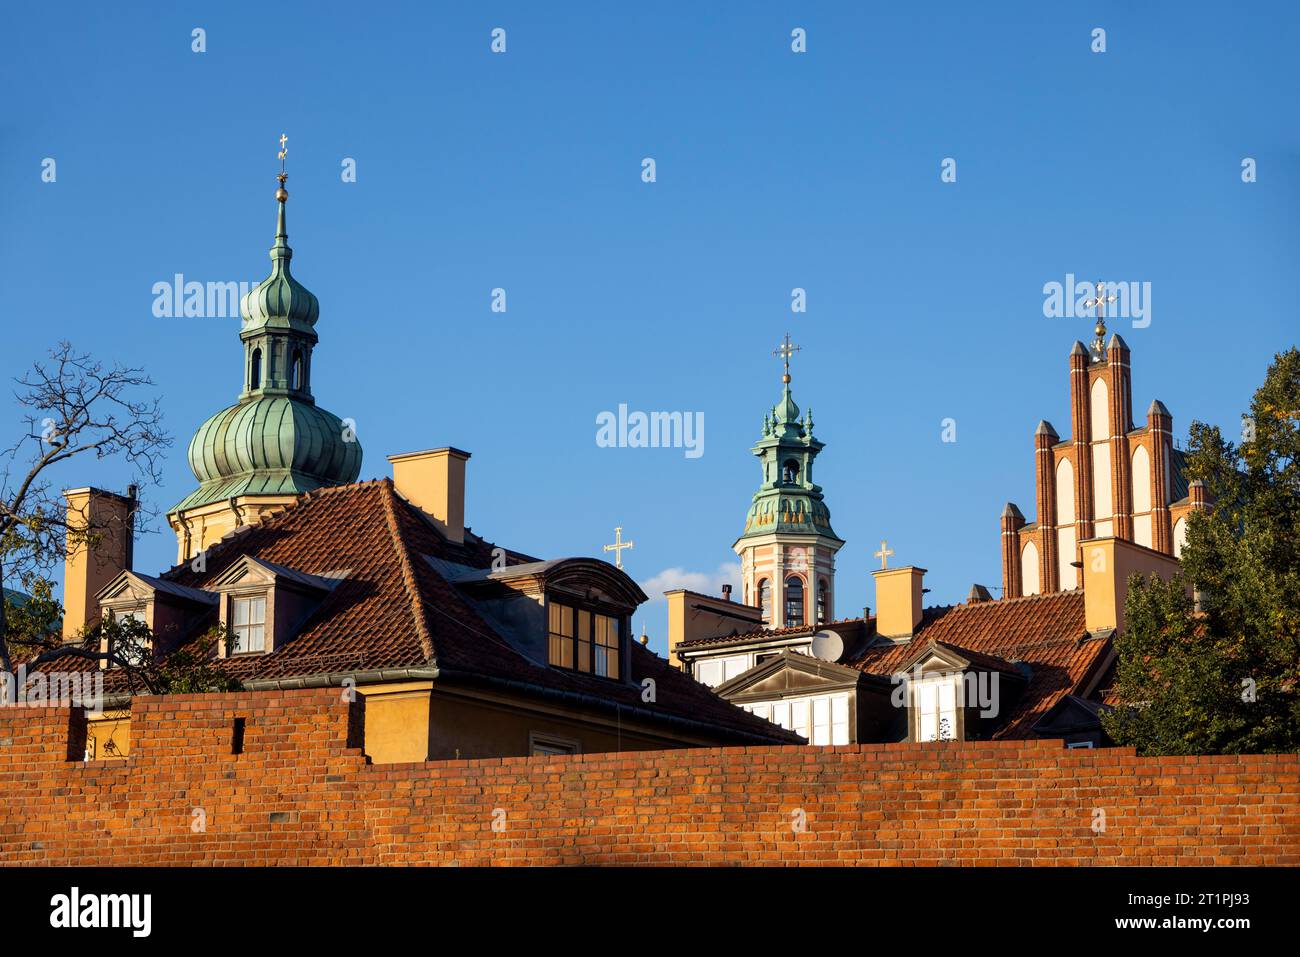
<point>326,680</point>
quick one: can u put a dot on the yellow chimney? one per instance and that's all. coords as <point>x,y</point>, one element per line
<point>898,600</point>
<point>693,615</point>
<point>104,523</point>
<point>1107,565</point>
<point>434,482</point>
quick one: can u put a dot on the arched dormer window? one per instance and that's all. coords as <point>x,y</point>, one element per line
<point>255,370</point>
<point>823,604</point>
<point>793,601</point>
<point>295,374</point>
<point>790,471</point>
<point>765,599</point>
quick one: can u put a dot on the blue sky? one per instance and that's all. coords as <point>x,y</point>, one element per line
<point>775,170</point>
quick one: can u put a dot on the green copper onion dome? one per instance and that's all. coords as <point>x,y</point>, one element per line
<point>274,440</point>
<point>788,501</point>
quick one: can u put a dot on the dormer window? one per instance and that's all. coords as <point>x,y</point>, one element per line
<point>248,624</point>
<point>263,605</point>
<point>935,700</point>
<point>136,655</point>
<point>163,612</point>
<point>583,640</point>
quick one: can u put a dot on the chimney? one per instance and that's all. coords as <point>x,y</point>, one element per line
<point>692,615</point>
<point>434,482</point>
<point>726,593</point>
<point>101,535</point>
<point>1107,565</point>
<point>898,601</point>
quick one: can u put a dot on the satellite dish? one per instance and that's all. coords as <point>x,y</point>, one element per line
<point>827,645</point>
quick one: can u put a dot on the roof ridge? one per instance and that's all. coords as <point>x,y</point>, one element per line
<point>408,572</point>
<point>270,519</point>
<point>998,602</point>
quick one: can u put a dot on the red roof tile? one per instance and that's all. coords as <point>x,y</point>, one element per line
<point>1045,632</point>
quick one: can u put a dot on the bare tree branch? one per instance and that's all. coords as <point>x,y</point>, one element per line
<point>77,408</point>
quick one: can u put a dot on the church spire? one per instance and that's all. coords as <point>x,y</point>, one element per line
<point>274,443</point>
<point>788,547</point>
<point>279,317</point>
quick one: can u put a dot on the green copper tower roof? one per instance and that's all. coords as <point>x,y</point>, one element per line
<point>274,440</point>
<point>788,501</point>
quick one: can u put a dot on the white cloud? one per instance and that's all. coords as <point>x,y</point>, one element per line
<point>706,583</point>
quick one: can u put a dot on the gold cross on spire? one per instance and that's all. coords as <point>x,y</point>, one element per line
<point>618,546</point>
<point>284,151</point>
<point>1099,300</point>
<point>885,552</point>
<point>783,352</point>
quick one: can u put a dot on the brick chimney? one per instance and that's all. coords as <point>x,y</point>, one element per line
<point>898,601</point>
<point>434,482</point>
<point>108,519</point>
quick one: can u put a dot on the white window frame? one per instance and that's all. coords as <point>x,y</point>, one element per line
<point>822,719</point>
<point>930,708</point>
<point>242,647</point>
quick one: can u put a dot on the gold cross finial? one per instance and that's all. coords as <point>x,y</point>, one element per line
<point>1099,300</point>
<point>284,151</point>
<point>885,551</point>
<point>618,546</point>
<point>783,352</point>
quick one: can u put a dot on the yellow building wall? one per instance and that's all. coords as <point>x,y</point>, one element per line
<point>108,737</point>
<point>201,528</point>
<point>397,722</point>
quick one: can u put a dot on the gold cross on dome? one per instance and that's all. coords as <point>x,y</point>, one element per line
<point>783,352</point>
<point>884,553</point>
<point>618,546</point>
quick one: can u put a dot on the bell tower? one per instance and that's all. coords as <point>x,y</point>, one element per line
<point>787,551</point>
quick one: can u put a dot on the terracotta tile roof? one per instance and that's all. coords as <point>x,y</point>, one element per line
<point>1046,632</point>
<point>760,634</point>
<point>393,610</point>
<point>977,658</point>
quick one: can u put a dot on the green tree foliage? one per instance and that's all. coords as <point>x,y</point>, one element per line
<point>34,618</point>
<point>1221,674</point>
<point>128,644</point>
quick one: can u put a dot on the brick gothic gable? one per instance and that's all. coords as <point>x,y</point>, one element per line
<point>1107,478</point>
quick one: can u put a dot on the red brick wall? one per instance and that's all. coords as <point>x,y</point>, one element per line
<point>299,794</point>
